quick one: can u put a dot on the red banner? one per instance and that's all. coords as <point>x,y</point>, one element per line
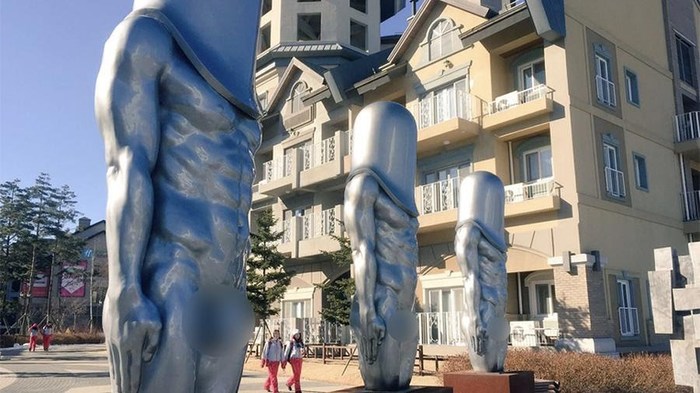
<point>73,279</point>
<point>40,288</point>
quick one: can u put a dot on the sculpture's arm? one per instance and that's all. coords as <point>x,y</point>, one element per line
<point>467,251</point>
<point>126,106</point>
<point>360,196</point>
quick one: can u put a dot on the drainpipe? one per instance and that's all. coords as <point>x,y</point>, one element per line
<point>685,187</point>
<point>510,160</point>
<point>520,295</point>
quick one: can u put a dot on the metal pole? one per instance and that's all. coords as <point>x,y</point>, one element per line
<point>91,293</point>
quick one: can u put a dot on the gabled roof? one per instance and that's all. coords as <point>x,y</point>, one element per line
<point>309,70</point>
<point>422,16</point>
<point>92,231</point>
<point>304,49</point>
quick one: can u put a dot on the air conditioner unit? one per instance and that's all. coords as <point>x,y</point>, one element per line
<point>523,334</point>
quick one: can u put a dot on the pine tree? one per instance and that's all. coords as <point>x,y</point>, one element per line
<point>339,293</point>
<point>267,277</point>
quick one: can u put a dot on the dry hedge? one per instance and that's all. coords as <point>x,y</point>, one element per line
<point>58,338</point>
<point>590,373</point>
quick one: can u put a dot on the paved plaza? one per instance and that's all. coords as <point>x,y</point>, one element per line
<point>83,369</point>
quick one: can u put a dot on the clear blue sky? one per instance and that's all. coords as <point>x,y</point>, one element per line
<point>50,52</point>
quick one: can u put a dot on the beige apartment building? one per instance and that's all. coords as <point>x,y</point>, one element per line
<point>572,104</point>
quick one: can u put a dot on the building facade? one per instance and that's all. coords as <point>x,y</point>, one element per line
<point>574,109</point>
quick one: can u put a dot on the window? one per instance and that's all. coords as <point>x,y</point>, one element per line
<point>686,61</point>
<point>358,35</point>
<point>632,87</point>
<point>605,87</point>
<point>445,103</point>
<point>640,172</point>
<point>614,178</point>
<point>309,27</point>
<point>451,172</point>
<point>297,92</point>
<point>296,308</point>
<point>440,39</point>
<point>266,6</point>
<point>262,98</point>
<point>629,322</point>
<point>537,164</point>
<point>264,39</point>
<point>531,75</point>
<point>360,5</point>
<point>542,295</point>
<point>448,304</point>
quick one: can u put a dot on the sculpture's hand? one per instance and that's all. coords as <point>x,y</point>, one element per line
<point>372,337</point>
<point>132,331</point>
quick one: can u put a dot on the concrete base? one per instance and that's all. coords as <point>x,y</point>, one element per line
<point>475,382</point>
<point>412,389</point>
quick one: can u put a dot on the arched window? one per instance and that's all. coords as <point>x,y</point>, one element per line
<point>295,98</point>
<point>440,39</point>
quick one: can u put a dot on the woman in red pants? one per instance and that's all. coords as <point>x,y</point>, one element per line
<point>294,354</point>
<point>47,334</point>
<point>33,335</point>
<point>272,357</point>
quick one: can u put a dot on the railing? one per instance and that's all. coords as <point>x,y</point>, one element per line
<point>445,106</point>
<point>286,229</point>
<point>277,168</point>
<point>314,330</point>
<point>615,182</point>
<point>318,224</point>
<point>687,126</point>
<point>605,91</point>
<point>439,196</point>
<point>323,152</point>
<point>525,191</point>
<point>440,328</point>
<point>629,321</point>
<point>691,201</point>
<point>516,98</point>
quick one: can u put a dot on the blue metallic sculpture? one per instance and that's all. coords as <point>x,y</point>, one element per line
<point>380,217</point>
<point>481,254</point>
<point>177,110</point>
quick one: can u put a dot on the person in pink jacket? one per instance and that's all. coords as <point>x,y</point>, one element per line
<point>33,335</point>
<point>272,357</point>
<point>294,354</point>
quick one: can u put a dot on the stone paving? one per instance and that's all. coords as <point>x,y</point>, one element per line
<point>83,369</point>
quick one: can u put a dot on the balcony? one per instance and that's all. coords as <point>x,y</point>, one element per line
<point>317,229</point>
<point>449,117</point>
<point>691,213</point>
<point>281,174</point>
<point>324,161</point>
<point>687,138</point>
<point>438,202</point>
<point>534,197</point>
<point>288,243</point>
<point>518,106</point>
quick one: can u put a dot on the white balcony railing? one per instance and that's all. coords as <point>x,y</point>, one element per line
<point>441,328</point>
<point>323,152</point>
<point>318,224</point>
<point>615,182</point>
<point>516,98</point>
<point>605,91</point>
<point>314,330</point>
<point>439,196</point>
<point>520,192</point>
<point>513,3</point>
<point>277,168</point>
<point>629,321</point>
<point>445,106</point>
<point>691,202</point>
<point>687,126</point>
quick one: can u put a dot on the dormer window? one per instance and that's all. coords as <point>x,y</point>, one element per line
<point>441,39</point>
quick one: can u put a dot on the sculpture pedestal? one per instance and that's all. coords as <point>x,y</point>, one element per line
<point>412,389</point>
<point>476,382</point>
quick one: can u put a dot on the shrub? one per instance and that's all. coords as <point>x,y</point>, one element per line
<point>584,372</point>
<point>58,339</point>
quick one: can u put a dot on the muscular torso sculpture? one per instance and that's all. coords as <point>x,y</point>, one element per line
<point>180,170</point>
<point>380,218</point>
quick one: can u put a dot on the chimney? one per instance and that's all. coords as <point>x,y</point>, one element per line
<point>83,223</point>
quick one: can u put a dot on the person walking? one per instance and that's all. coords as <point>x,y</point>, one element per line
<point>294,354</point>
<point>272,357</point>
<point>33,334</point>
<point>47,335</point>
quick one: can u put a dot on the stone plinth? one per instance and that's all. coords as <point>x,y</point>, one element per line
<point>412,389</point>
<point>476,382</point>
